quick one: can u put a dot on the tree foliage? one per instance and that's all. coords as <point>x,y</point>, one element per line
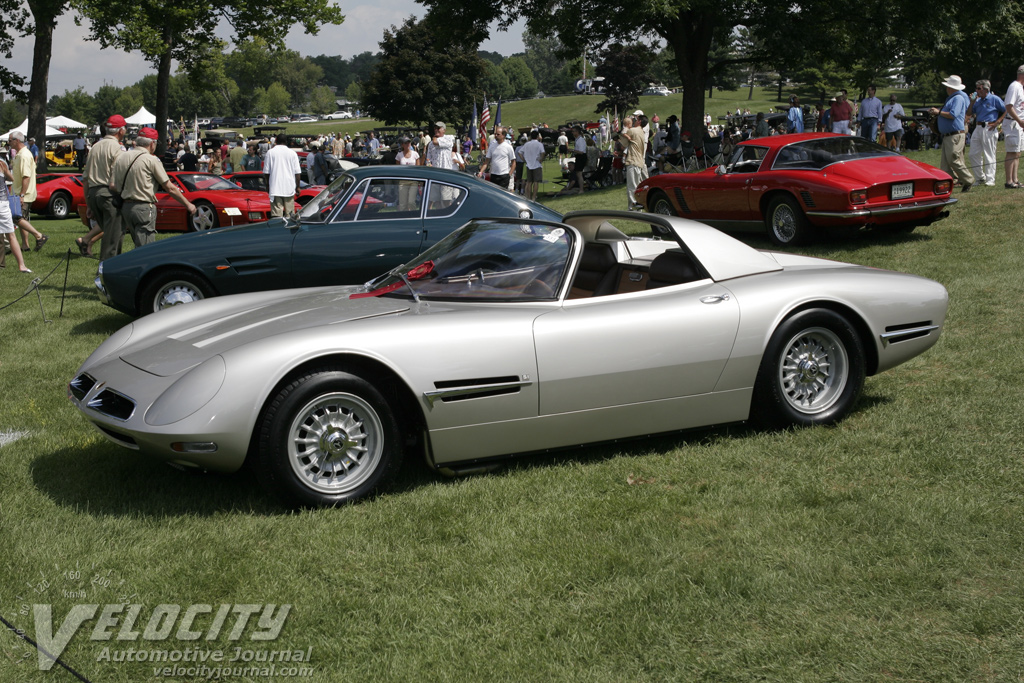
<point>163,31</point>
<point>321,100</point>
<point>626,70</point>
<point>422,77</point>
<point>495,82</point>
<point>273,100</point>
<point>521,82</point>
<point>75,104</point>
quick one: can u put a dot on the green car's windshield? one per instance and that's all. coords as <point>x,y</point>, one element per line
<point>487,261</point>
<point>319,209</point>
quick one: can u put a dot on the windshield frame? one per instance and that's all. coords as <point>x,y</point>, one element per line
<point>392,285</point>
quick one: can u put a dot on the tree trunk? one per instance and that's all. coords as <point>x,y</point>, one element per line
<point>44,15</point>
<point>690,37</point>
<point>163,86</point>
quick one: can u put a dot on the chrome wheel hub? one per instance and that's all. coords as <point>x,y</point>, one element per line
<point>784,223</point>
<point>813,370</point>
<point>335,443</point>
<point>175,294</point>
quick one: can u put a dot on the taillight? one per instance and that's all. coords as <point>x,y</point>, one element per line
<point>858,196</point>
<point>942,186</point>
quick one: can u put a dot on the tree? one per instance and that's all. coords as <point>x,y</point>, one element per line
<point>129,101</point>
<point>521,82</point>
<point>494,82</point>
<point>336,71</point>
<point>104,98</point>
<point>543,58</point>
<point>626,70</point>
<point>273,100</point>
<point>165,31</point>
<point>421,77</point>
<point>297,74</point>
<point>75,104</point>
<point>321,100</point>
<point>354,92</point>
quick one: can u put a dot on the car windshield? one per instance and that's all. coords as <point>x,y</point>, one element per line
<point>485,261</point>
<point>196,182</point>
<point>320,207</point>
<point>821,152</point>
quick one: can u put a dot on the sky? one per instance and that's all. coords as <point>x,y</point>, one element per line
<point>77,62</point>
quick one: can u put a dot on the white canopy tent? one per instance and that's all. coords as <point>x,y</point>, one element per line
<point>64,122</point>
<point>141,118</point>
<point>23,128</point>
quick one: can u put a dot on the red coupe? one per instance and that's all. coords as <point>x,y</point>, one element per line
<point>218,202</point>
<point>58,193</point>
<point>795,184</point>
<point>257,181</point>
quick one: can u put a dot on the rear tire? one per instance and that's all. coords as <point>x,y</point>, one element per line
<point>787,225</point>
<point>60,205</point>
<point>812,371</point>
<point>327,438</point>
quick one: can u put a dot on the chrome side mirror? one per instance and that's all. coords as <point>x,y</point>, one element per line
<point>720,169</point>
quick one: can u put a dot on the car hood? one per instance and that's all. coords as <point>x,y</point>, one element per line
<point>877,171</point>
<point>168,343</point>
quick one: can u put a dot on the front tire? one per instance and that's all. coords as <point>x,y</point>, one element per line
<point>60,205</point>
<point>787,225</point>
<point>174,288</point>
<point>205,217</point>
<point>812,372</point>
<point>661,204</point>
<point>327,438</point>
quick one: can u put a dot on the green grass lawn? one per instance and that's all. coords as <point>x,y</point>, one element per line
<point>886,548</point>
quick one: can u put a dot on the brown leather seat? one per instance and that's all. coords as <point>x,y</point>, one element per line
<point>596,274</point>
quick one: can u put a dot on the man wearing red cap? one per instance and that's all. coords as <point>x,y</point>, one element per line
<point>137,174</point>
<point>96,179</point>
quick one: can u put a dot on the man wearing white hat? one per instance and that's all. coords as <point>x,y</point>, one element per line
<point>952,127</point>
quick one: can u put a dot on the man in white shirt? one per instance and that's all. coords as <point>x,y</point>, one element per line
<point>1012,125</point>
<point>892,122</point>
<point>282,169</point>
<point>533,153</point>
<point>501,159</point>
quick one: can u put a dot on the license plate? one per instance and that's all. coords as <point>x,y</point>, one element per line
<point>902,191</point>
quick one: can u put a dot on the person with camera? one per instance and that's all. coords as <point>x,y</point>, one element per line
<point>136,175</point>
<point>632,137</point>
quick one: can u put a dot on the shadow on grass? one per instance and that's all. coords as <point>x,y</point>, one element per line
<point>102,324</point>
<point>846,240</point>
<point>103,479</point>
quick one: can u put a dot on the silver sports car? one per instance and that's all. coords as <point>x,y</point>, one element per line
<point>508,336</point>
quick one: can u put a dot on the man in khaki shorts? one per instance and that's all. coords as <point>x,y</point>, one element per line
<point>136,175</point>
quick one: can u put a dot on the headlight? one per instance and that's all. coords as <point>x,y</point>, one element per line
<point>255,216</point>
<point>525,213</point>
<point>188,394</point>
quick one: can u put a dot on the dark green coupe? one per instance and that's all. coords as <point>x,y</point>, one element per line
<point>366,222</point>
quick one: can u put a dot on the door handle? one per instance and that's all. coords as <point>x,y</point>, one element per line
<point>716,299</point>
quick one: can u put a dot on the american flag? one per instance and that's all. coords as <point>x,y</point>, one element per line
<point>485,117</point>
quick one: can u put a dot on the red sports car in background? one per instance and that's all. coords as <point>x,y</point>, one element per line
<point>257,182</point>
<point>792,185</point>
<point>57,194</point>
<point>218,202</point>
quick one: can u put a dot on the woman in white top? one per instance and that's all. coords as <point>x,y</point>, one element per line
<point>408,190</point>
<point>204,162</point>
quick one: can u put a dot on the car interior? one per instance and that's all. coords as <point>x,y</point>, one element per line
<point>613,262</point>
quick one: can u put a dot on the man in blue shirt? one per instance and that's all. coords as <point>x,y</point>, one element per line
<point>795,116</point>
<point>870,115</point>
<point>954,131</point>
<point>988,110</point>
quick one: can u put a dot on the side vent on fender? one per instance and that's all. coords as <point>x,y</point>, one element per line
<point>681,200</point>
<point>808,199</point>
<point>894,334</point>
<point>449,391</point>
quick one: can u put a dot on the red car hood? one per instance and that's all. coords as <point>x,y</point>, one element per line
<point>868,172</point>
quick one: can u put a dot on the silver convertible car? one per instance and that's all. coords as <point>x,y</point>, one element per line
<point>508,336</point>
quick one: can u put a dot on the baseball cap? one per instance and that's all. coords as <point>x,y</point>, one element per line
<point>150,133</point>
<point>116,121</point>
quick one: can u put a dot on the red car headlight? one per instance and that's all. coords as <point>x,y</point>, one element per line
<point>255,216</point>
<point>942,187</point>
<point>859,197</point>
